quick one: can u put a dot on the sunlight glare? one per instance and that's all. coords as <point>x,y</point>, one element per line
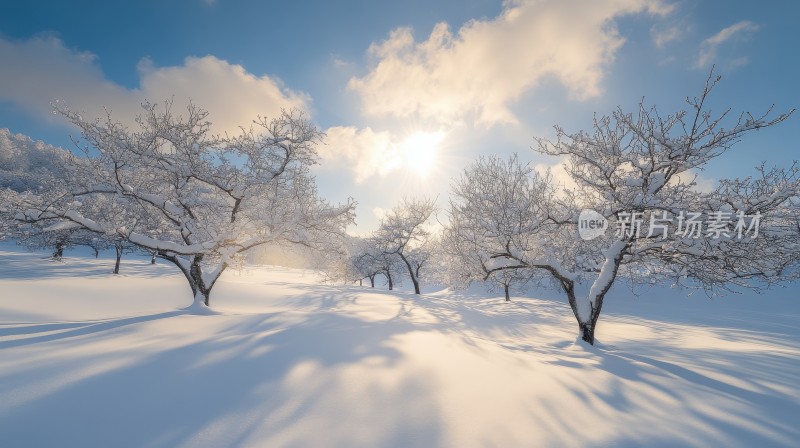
<point>420,151</point>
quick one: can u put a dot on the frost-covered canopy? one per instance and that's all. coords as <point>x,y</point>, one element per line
<point>196,198</point>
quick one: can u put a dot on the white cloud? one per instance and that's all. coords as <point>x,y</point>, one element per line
<point>559,174</point>
<point>40,70</point>
<point>364,152</point>
<point>485,66</point>
<point>701,184</point>
<point>339,62</point>
<point>664,35</point>
<point>379,212</point>
<point>709,48</point>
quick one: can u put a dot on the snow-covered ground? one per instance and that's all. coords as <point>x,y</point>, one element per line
<point>92,359</point>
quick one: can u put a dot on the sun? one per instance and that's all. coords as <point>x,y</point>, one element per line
<point>420,152</point>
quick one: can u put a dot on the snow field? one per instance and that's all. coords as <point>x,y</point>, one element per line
<point>92,359</point>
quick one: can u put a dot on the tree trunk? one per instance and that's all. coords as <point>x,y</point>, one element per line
<point>586,330</point>
<point>361,282</point>
<point>505,288</point>
<point>59,252</point>
<point>389,277</point>
<point>586,327</point>
<point>416,284</point>
<point>201,290</point>
<point>118,250</point>
<point>588,324</point>
<point>153,258</point>
<point>410,272</point>
<point>372,281</point>
<point>202,286</point>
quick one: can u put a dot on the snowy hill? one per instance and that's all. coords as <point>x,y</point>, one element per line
<point>92,359</point>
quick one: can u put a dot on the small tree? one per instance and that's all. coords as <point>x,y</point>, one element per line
<point>122,247</point>
<point>635,170</point>
<point>402,233</point>
<point>495,204</point>
<point>419,258</point>
<point>363,259</point>
<point>196,199</point>
<point>355,264</point>
<point>60,234</point>
<point>365,262</point>
<point>57,237</point>
<point>371,260</point>
<point>390,267</point>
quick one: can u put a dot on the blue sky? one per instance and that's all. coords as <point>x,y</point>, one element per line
<point>408,92</point>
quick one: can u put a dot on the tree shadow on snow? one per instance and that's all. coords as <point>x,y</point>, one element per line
<point>706,393</point>
<point>681,396</point>
<point>316,378</point>
<point>13,335</point>
<point>258,380</point>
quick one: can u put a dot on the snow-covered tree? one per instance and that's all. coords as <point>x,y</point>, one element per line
<point>198,200</point>
<point>27,165</point>
<point>402,233</point>
<point>122,247</point>
<point>367,260</point>
<point>495,204</point>
<point>390,266</point>
<point>641,211</point>
<point>364,261</point>
<point>420,257</point>
<point>350,266</point>
<point>56,237</point>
